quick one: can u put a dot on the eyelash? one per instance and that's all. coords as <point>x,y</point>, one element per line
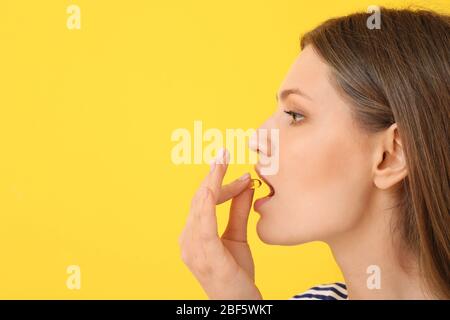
<point>295,116</point>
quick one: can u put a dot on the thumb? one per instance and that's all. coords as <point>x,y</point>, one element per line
<point>236,229</point>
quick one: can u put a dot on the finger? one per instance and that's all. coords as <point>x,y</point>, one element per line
<point>207,220</point>
<point>192,225</point>
<point>187,227</point>
<point>193,242</point>
<point>236,229</point>
<point>190,218</point>
<point>232,189</point>
<point>206,231</point>
<point>217,171</point>
<point>203,210</point>
<point>212,182</point>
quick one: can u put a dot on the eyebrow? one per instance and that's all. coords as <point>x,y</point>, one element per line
<point>283,94</point>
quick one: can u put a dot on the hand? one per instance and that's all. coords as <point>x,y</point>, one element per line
<point>223,265</point>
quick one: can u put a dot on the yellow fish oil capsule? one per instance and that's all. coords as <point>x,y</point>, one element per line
<point>255,183</point>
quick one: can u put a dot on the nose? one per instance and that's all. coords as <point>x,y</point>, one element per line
<point>260,142</point>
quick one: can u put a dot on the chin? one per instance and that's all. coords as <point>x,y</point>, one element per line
<point>269,234</point>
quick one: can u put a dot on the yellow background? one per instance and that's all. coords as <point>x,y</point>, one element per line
<point>86,117</point>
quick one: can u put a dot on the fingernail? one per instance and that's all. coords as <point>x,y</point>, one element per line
<point>256,183</point>
<point>244,177</point>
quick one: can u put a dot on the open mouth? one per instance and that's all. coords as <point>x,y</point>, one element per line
<point>272,190</point>
<point>258,205</point>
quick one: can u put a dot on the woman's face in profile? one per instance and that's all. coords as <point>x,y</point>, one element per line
<point>324,178</point>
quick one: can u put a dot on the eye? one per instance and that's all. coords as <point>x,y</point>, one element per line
<point>296,117</point>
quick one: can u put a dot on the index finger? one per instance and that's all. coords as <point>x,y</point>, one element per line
<point>218,168</point>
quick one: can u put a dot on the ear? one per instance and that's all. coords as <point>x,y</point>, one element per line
<point>390,162</point>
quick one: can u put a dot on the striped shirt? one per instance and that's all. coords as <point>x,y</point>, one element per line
<point>332,291</point>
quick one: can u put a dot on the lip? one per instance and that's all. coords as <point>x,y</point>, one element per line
<point>259,202</point>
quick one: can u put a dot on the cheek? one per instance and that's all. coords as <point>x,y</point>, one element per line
<point>323,182</point>
<point>319,163</point>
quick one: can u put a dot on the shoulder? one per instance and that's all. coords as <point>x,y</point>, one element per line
<point>332,291</point>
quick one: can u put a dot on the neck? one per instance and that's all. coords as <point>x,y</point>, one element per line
<point>374,260</point>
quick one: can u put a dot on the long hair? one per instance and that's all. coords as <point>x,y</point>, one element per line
<point>400,73</point>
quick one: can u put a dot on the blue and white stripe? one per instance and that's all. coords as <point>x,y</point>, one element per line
<point>333,291</point>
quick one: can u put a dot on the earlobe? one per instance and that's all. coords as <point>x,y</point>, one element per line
<point>390,162</point>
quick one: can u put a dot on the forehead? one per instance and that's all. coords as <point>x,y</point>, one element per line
<point>309,73</point>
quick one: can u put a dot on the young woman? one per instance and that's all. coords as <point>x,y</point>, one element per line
<point>363,121</point>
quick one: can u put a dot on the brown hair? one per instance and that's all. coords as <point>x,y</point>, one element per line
<point>400,73</point>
